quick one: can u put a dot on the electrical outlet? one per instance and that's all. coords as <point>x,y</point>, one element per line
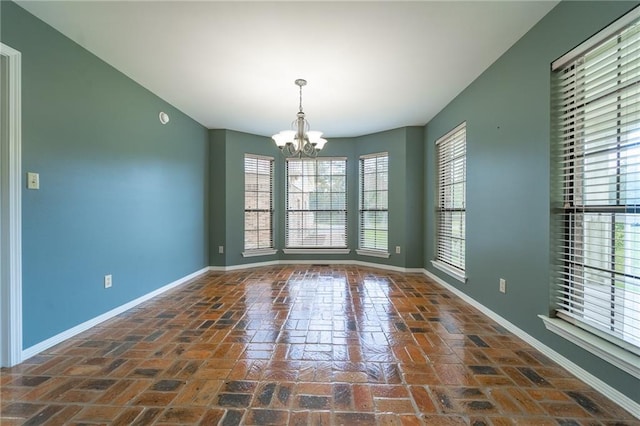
<point>33,180</point>
<point>397,249</point>
<point>221,249</point>
<point>107,281</point>
<point>503,285</point>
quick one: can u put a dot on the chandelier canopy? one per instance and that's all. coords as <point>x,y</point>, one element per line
<point>300,141</point>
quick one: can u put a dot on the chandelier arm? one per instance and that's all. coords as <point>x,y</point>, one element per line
<point>294,149</point>
<point>309,150</point>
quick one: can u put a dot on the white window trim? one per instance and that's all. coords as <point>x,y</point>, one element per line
<point>584,336</point>
<point>311,249</point>
<point>450,270</point>
<point>366,251</point>
<point>260,157</point>
<point>316,251</point>
<point>598,346</point>
<point>458,274</point>
<point>265,250</point>
<point>259,252</point>
<point>596,39</point>
<point>373,253</point>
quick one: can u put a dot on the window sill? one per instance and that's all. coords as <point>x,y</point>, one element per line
<point>260,252</point>
<point>598,346</point>
<point>316,251</point>
<point>455,273</point>
<point>373,253</point>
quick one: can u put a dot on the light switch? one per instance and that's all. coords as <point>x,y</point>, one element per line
<point>33,180</point>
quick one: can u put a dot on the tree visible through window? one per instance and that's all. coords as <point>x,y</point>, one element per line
<point>316,207</point>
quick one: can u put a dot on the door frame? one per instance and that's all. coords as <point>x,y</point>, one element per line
<point>11,204</point>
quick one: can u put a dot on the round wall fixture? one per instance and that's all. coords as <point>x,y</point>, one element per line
<point>164,117</point>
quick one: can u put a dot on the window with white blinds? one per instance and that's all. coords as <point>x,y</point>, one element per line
<point>451,161</point>
<point>596,126</point>
<point>316,203</point>
<point>374,202</point>
<point>258,203</point>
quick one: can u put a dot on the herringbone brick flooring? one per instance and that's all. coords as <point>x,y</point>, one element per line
<point>300,345</point>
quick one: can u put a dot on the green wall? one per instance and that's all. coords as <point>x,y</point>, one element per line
<point>405,147</point>
<point>507,110</point>
<point>217,179</point>
<point>120,193</point>
<point>227,170</point>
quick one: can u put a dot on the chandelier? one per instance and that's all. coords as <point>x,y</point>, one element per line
<point>299,141</point>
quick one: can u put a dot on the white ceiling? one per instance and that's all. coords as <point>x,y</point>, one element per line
<point>371,66</point>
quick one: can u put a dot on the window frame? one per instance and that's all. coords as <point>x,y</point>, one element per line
<point>574,180</point>
<point>261,249</point>
<point>302,212</point>
<point>452,145</point>
<point>381,206</point>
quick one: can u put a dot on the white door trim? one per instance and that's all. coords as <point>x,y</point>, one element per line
<point>11,324</point>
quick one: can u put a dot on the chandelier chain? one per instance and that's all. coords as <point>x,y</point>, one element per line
<point>300,98</point>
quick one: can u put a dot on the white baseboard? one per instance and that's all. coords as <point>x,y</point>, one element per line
<point>602,387</point>
<point>582,374</point>
<point>316,262</point>
<point>243,266</point>
<point>61,337</point>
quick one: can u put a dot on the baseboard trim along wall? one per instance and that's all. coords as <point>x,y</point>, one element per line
<point>582,374</point>
<point>61,337</point>
<point>243,266</point>
<point>611,393</point>
<point>316,262</point>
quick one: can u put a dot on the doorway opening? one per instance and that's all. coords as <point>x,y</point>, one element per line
<point>10,207</point>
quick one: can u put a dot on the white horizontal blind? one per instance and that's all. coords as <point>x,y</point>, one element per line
<point>374,202</point>
<point>597,128</point>
<point>258,202</point>
<point>316,205</point>
<point>451,205</point>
